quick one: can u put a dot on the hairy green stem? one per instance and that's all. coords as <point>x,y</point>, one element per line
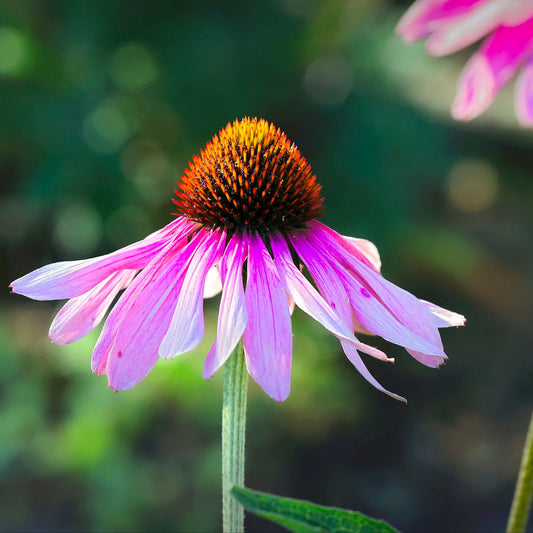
<point>233,438</point>
<point>524,488</point>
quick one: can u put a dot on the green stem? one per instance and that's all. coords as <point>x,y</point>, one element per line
<point>233,438</point>
<point>524,487</point>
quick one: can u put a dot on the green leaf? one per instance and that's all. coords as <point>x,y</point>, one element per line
<point>306,517</point>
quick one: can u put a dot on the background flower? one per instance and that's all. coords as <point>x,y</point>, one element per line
<point>451,25</point>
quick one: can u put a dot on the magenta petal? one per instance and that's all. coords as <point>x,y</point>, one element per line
<point>453,34</point>
<point>524,95</point>
<point>304,294</point>
<point>82,314</point>
<point>379,305</point>
<point>424,15</point>
<point>232,316</point>
<point>365,251</point>
<point>311,302</point>
<point>68,279</point>
<point>128,345</point>
<point>361,249</point>
<point>490,68</point>
<point>186,329</point>
<point>267,338</point>
<point>476,89</point>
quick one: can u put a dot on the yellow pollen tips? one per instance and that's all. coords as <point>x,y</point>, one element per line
<point>249,176</point>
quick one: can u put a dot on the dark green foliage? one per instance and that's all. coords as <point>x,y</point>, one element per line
<point>306,517</point>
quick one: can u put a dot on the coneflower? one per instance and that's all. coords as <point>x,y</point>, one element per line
<point>247,224</point>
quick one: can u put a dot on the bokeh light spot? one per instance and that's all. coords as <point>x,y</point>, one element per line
<point>132,67</point>
<point>13,51</point>
<point>472,185</point>
<point>110,125</point>
<point>126,225</point>
<point>329,80</point>
<point>153,173</point>
<point>78,229</point>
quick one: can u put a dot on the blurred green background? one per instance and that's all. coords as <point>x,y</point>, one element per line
<point>102,105</point>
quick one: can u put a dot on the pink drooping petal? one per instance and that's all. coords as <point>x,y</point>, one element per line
<point>443,317</point>
<point>304,294</point>
<point>232,315</point>
<point>380,306</point>
<point>313,304</point>
<point>267,338</point>
<point>455,34</point>
<point>330,306</point>
<point>524,95</point>
<point>186,329</point>
<point>490,68</point>
<point>127,348</point>
<point>340,321</point>
<point>341,290</point>
<point>68,279</point>
<point>424,15</point>
<point>366,251</point>
<point>427,360</point>
<point>82,314</point>
<point>213,283</point>
<point>353,356</point>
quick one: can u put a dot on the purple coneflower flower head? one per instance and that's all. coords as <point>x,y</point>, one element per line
<point>451,25</point>
<point>247,226</point>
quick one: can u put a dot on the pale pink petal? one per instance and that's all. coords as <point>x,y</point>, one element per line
<point>127,348</point>
<point>68,279</point>
<point>213,283</point>
<point>292,304</point>
<point>424,15</point>
<point>186,329</point>
<point>359,328</point>
<point>82,314</point>
<point>427,360</point>
<point>267,338</point>
<point>490,68</point>
<point>443,317</point>
<point>524,95</point>
<point>366,251</point>
<point>232,316</point>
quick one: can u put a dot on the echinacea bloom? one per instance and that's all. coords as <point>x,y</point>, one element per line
<point>249,206</point>
<point>451,25</point>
